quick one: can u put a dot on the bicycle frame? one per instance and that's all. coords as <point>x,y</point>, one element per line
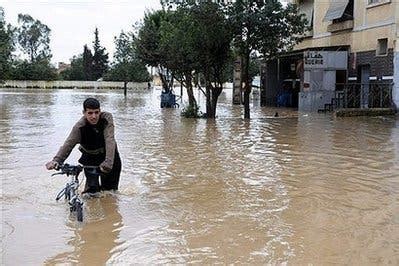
<point>70,191</point>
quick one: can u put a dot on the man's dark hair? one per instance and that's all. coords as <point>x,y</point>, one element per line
<point>91,103</point>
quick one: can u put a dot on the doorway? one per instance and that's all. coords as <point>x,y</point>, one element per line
<point>364,86</point>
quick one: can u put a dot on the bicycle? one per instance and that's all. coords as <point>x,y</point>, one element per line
<point>70,191</point>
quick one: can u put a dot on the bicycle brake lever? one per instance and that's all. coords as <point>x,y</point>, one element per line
<point>60,173</point>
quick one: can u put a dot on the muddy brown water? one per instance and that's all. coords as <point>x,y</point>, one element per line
<point>298,189</point>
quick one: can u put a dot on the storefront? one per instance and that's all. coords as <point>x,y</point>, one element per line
<point>304,79</point>
<point>322,71</point>
<point>280,80</point>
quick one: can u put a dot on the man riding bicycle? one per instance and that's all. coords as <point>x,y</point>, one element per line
<point>95,134</point>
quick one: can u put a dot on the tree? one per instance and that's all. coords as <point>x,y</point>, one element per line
<point>265,27</point>
<point>213,36</point>
<point>87,63</point>
<point>197,43</point>
<point>100,58</point>
<point>75,72</point>
<point>6,47</point>
<point>191,40</point>
<point>177,40</point>
<point>148,45</point>
<point>38,70</point>
<point>34,38</point>
<point>126,66</point>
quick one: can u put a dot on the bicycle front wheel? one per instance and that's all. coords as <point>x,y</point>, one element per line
<point>79,211</point>
<point>67,193</point>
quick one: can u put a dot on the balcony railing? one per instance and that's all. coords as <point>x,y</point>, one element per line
<point>364,95</point>
<point>339,26</point>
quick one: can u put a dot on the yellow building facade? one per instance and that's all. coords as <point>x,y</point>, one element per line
<point>348,42</point>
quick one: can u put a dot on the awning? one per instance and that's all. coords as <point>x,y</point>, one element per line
<point>336,9</point>
<point>307,9</point>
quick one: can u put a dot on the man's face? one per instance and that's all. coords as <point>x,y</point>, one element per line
<point>92,115</point>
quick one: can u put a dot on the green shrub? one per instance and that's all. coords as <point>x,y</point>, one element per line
<point>191,112</point>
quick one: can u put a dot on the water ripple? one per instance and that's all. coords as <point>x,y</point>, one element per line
<point>297,189</point>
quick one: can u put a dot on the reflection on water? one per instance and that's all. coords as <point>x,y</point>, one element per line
<point>93,241</point>
<point>299,189</point>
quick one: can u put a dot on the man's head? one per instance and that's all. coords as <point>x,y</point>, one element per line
<point>91,110</point>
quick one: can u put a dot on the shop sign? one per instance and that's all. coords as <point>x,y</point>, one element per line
<point>325,60</point>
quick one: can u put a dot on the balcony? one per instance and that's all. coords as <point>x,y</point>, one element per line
<point>308,33</point>
<point>340,26</point>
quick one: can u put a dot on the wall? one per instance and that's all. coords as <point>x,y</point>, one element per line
<point>395,91</point>
<point>380,66</point>
<point>68,84</point>
<point>370,24</point>
<point>269,83</point>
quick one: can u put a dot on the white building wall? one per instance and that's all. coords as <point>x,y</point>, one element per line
<point>395,91</point>
<point>71,84</point>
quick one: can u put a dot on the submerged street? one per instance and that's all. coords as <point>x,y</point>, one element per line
<point>298,188</point>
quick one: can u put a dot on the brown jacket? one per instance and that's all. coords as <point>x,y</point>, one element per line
<point>74,138</point>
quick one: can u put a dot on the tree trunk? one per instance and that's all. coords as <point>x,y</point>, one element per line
<point>181,91</point>
<point>247,113</point>
<point>125,88</point>
<point>208,100</point>
<point>247,87</point>
<point>165,84</point>
<point>190,93</point>
<point>216,91</point>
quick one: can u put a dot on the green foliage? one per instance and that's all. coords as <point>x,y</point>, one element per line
<point>128,71</point>
<point>124,48</point>
<point>6,47</point>
<point>202,39</point>
<point>213,36</point>
<point>191,112</point>
<point>88,66</point>
<point>33,38</point>
<point>266,27</point>
<point>191,40</point>
<point>75,72</point>
<point>100,58</point>
<point>37,70</point>
<point>87,63</point>
<point>254,67</point>
<point>126,66</point>
<point>148,45</point>
<point>177,37</point>
<point>147,42</point>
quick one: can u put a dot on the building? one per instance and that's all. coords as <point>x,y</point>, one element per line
<point>348,58</point>
<point>62,67</point>
<point>198,1</point>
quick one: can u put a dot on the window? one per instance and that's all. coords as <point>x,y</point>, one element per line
<point>382,46</point>
<point>378,2</point>
<point>339,11</point>
<point>306,8</point>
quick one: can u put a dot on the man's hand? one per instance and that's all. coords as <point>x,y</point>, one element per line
<point>51,165</point>
<point>105,168</point>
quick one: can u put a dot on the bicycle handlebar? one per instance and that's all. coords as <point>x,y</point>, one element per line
<point>68,169</point>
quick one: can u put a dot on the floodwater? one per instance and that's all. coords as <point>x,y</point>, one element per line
<point>296,189</point>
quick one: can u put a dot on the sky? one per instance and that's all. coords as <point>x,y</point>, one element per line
<point>72,22</point>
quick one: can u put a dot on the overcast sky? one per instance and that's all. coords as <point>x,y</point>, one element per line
<point>72,22</point>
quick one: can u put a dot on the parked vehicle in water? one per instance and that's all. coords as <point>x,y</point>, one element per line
<point>168,100</point>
